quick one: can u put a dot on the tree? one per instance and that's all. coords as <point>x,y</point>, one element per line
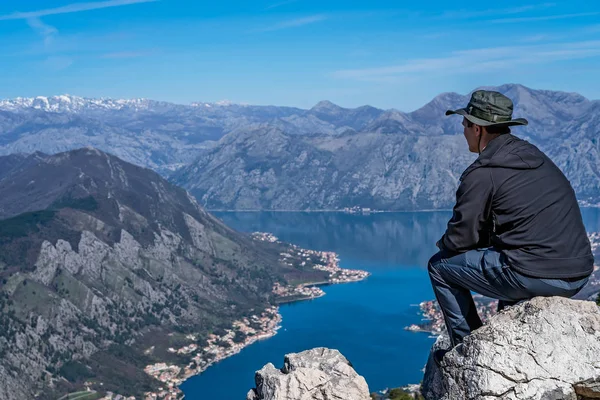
<point>399,394</point>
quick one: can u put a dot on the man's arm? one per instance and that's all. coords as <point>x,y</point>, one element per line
<point>467,228</point>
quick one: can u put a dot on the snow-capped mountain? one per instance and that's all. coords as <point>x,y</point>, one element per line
<point>68,103</point>
<point>244,156</point>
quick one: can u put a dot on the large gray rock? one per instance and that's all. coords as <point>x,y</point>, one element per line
<point>317,374</point>
<point>545,348</point>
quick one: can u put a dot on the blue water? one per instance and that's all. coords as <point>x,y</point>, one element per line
<point>364,320</point>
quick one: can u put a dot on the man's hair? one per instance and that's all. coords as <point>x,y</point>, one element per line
<point>492,130</point>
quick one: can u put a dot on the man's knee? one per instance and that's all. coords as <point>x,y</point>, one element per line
<point>434,262</point>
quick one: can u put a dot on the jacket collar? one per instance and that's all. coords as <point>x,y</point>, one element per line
<point>493,146</point>
<point>490,150</point>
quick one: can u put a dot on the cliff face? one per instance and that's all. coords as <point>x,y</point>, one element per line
<point>546,348</point>
<point>105,265</point>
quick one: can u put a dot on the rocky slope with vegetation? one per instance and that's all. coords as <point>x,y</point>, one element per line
<point>105,265</point>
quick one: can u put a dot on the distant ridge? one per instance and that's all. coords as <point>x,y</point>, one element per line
<point>326,157</point>
<point>395,161</point>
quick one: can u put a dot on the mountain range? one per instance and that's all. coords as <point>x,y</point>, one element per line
<point>232,156</point>
<point>390,161</point>
<point>104,265</point>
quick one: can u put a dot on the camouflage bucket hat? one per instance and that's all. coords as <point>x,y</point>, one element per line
<point>487,108</point>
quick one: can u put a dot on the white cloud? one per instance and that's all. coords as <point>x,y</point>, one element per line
<point>72,8</point>
<point>294,23</point>
<point>475,61</point>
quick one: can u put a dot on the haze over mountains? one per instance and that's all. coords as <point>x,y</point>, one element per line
<point>328,157</point>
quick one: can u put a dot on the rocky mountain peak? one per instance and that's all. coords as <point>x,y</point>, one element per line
<point>441,103</point>
<point>317,374</point>
<point>326,106</point>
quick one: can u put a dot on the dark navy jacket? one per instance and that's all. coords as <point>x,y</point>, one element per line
<point>514,198</point>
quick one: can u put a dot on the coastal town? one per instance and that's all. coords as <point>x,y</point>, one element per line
<point>218,348</point>
<point>433,320</point>
<point>250,329</point>
<point>595,241</point>
<point>325,261</point>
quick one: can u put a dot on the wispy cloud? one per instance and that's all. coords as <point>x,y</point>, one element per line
<point>72,8</point>
<point>294,23</point>
<point>128,54</point>
<point>49,35</point>
<point>470,61</point>
<point>540,37</point>
<point>543,18</point>
<point>48,32</point>
<point>281,3</point>
<point>468,14</point>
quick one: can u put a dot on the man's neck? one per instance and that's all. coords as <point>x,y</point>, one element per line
<point>487,138</point>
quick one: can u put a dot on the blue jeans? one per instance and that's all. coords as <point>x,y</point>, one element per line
<point>485,271</point>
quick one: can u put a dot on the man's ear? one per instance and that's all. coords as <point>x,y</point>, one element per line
<point>478,130</point>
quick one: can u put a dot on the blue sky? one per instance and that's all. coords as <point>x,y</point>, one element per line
<point>389,54</point>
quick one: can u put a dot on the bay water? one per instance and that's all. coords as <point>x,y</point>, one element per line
<point>364,320</point>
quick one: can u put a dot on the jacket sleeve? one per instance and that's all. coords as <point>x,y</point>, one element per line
<point>470,225</point>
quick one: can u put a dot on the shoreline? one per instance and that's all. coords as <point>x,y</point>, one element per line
<point>371,211</point>
<point>330,211</point>
<point>254,327</point>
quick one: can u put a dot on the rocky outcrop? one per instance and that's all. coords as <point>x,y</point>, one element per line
<point>317,374</point>
<point>545,348</point>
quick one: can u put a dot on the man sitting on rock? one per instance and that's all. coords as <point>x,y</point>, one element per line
<point>516,231</point>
